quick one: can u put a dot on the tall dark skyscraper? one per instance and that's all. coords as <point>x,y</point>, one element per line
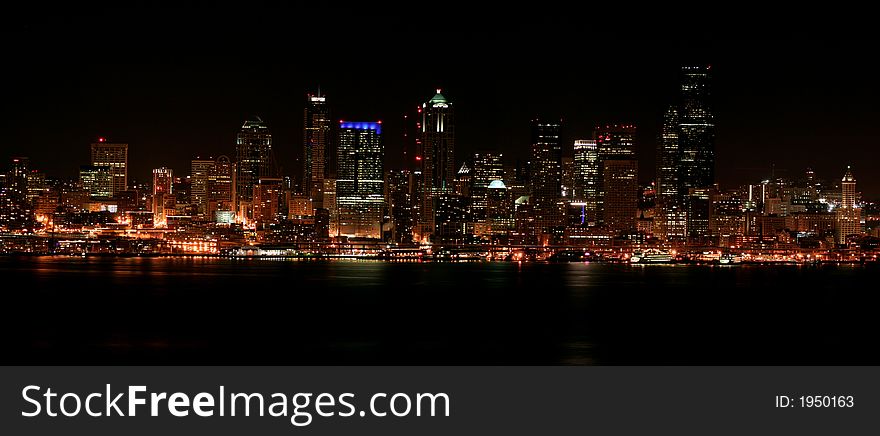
<point>696,129</point>
<point>254,158</point>
<point>360,179</point>
<point>546,173</point>
<point>438,155</point>
<point>613,142</point>
<point>696,136</point>
<point>316,142</point>
<point>671,219</point>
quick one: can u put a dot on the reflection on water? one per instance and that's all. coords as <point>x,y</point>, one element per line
<point>206,310</point>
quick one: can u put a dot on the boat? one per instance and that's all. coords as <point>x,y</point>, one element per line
<point>651,256</point>
<point>730,259</point>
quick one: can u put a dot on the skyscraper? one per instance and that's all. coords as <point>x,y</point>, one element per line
<point>437,141</point>
<point>671,220</point>
<point>316,142</point>
<point>399,199</point>
<point>546,174</point>
<point>696,139</point>
<point>849,214</point>
<point>221,187</point>
<point>696,129</point>
<point>613,142</point>
<point>163,183</point>
<point>360,179</point>
<point>97,180</point>
<point>254,158</point>
<point>621,183</point>
<point>200,172</point>
<point>488,167</point>
<point>115,156</point>
<point>586,178</point>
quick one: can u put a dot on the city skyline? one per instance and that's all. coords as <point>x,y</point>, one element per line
<point>175,94</point>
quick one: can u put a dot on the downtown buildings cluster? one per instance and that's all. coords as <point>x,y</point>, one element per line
<point>583,194</point>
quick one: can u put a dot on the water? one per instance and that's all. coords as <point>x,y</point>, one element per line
<point>60,310</point>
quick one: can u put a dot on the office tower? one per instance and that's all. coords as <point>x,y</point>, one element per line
<point>182,193</point>
<point>849,214</point>
<point>696,129</point>
<point>699,208</point>
<point>585,187</point>
<point>726,218</point>
<point>200,172</point>
<point>613,142</point>
<point>621,185</point>
<point>96,180</point>
<point>696,141</point>
<point>487,167</point>
<point>268,196</point>
<point>16,178</point>
<point>437,142</point>
<point>567,177</point>
<point>114,156</point>
<point>316,143</point>
<point>36,185</point>
<point>300,207</point>
<point>546,174</point>
<point>463,180</point>
<point>359,183</point>
<point>400,186</point>
<point>16,213</point>
<point>221,187</point>
<point>163,195</point>
<point>254,159</point>
<point>331,207</point>
<point>452,218</point>
<point>499,208</point>
<point>671,211</point>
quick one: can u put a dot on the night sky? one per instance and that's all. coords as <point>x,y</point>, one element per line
<point>175,83</point>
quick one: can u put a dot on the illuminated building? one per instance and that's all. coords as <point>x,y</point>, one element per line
<point>360,179</point>
<point>671,220</point>
<point>267,200</point>
<point>463,180</point>
<point>499,208</point>
<point>696,138</point>
<point>400,186</point>
<point>849,214</point>
<point>699,207</point>
<point>316,142</point>
<point>726,217</point>
<point>567,177</point>
<point>221,187</point>
<point>301,206</point>
<point>488,167</point>
<point>36,185</point>
<point>585,187</point>
<point>696,129</point>
<point>200,172</point>
<point>15,211</point>
<point>452,218</point>
<point>546,174</point>
<point>97,180</point>
<point>621,185</point>
<point>254,159</point>
<point>329,195</point>
<point>163,183</point>
<point>437,143</point>
<point>114,156</point>
<point>613,142</point>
